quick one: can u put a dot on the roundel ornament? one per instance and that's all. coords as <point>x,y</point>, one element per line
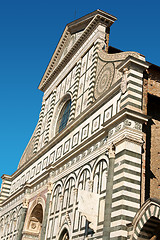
<point>104,79</point>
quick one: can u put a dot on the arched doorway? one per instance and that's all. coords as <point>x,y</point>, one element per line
<point>35,222</point>
<point>146,223</point>
<point>36,218</point>
<point>64,235</point>
<point>150,230</point>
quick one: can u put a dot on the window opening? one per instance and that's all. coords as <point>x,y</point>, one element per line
<point>64,116</point>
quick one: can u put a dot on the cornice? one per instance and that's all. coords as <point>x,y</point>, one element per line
<point>125,112</point>
<point>99,17</point>
<point>133,60</point>
<point>88,111</point>
<point>120,56</point>
<point>53,60</point>
<point>22,190</point>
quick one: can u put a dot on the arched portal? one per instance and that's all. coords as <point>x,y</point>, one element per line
<point>146,223</point>
<point>36,218</point>
<point>64,235</point>
<point>150,230</point>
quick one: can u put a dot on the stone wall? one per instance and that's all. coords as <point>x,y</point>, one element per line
<point>151,157</point>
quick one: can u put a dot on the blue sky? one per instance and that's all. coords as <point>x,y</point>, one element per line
<point>29,33</point>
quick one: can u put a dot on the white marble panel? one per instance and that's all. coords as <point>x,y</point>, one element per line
<point>87,79</point>
<point>84,64</point>
<point>85,100</point>
<point>63,86</point>
<point>73,78</point>
<point>90,57</point>
<point>81,86</point>
<point>78,106</point>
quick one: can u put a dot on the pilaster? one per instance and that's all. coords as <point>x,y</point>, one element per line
<point>125,132</point>
<point>22,218</point>
<point>44,223</point>
<point>132,82</point>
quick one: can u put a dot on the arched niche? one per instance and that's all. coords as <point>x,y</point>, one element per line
<point>35,220</point>
<point>146,223</point>
<point>64,235</point>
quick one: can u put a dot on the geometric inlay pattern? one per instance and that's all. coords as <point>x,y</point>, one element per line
<point>104,79</point>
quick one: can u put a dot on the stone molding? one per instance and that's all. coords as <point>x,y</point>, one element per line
<point>106,57</point>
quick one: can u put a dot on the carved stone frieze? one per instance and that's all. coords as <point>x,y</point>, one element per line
<point>25,203</point>
<point>118,56</point>
<point>126,123</point>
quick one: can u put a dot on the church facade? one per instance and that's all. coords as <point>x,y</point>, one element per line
<point>91,167</point>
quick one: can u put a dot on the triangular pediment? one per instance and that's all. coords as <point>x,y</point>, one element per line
<point>72,37</point>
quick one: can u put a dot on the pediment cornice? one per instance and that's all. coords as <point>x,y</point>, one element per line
<point>87,24</point>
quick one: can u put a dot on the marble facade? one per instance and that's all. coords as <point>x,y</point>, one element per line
<point>83,182</point>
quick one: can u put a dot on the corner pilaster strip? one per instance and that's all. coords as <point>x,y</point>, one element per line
<point>133,96</point>
<point>44,223</point>
<point>22,219</point>
<point>126,187</point>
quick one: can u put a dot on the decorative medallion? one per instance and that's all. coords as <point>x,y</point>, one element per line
<point>33,225</point>
<point>104,79</point>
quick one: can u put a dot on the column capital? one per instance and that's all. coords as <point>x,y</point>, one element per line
<point>61,198</point>
<point>75,190</point>
<point>111,151</point>
<point>25,202</point>
<point>90,183</point>
<point>50,187</point>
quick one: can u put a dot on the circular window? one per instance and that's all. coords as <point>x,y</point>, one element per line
<point>64,116</point>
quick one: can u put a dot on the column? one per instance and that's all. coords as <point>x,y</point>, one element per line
<point>44,223</point>
<point>22,219</point>
<point>109,190</point>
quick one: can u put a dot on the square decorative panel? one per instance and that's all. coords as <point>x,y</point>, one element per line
<point>85,131</point>
<point>33,172</point>
<point>45,162</point>
<point>38,168</point>
<point>59,152</point>
<point>66,146</point>
<point>75,139</point>
<point>95,124</point>
<point>118,106</point>
<point>108,113</point>
<point>52,156</point>
<point>27,176</point>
